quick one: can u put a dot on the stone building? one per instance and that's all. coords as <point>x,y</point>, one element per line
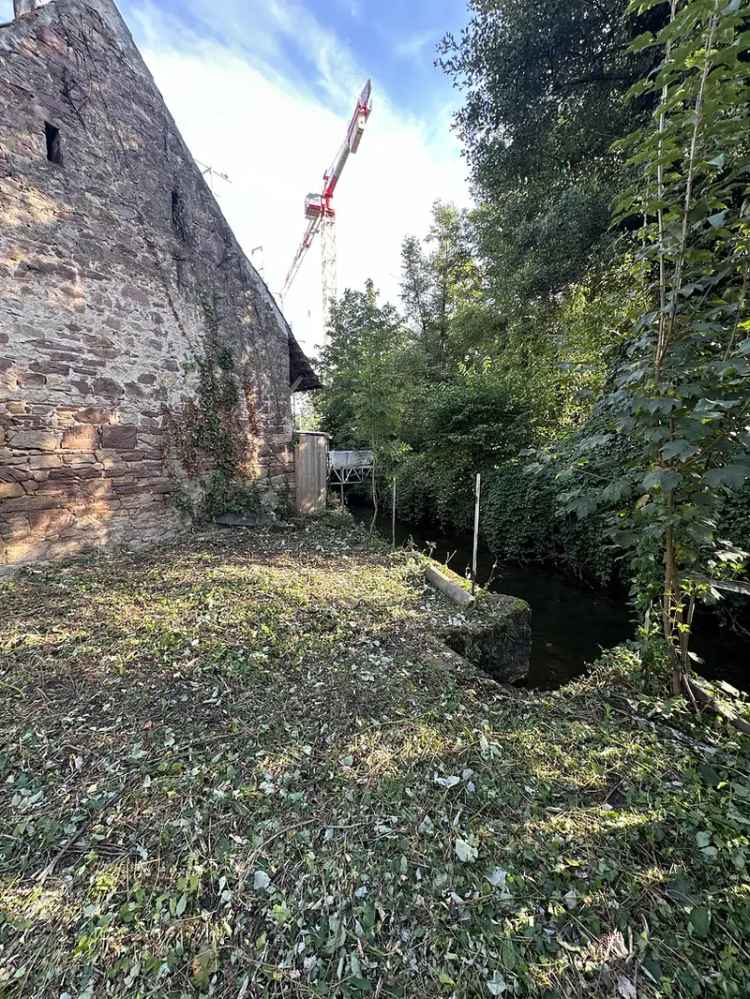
<point>145,369</point>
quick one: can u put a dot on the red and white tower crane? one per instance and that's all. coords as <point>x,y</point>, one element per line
<point>319,210</point>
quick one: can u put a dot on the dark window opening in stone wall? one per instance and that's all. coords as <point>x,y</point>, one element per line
<point>54,144</point>
<point>178,216</point>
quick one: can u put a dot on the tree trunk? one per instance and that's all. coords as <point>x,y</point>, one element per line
<point>671,612</point>
<point>374,493</point>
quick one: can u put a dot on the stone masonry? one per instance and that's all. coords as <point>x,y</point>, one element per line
<point>125,300</point>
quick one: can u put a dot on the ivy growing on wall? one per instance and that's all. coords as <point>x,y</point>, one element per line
<point>208,436</point>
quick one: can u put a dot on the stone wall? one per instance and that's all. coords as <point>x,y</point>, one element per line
<point>139,349</point>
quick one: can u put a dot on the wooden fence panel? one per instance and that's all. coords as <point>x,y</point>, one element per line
<point>312,473</point>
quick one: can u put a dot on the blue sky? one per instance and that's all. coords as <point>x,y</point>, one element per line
<point>262,91</point>
<point>394,41</point>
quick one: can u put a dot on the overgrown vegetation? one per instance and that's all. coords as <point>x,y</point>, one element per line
<point>581,337</point>
<point>243,766</point>
<point>681,394</point>
<point>209,441</point>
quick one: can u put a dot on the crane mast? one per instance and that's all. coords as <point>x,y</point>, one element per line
<point>319,210</point>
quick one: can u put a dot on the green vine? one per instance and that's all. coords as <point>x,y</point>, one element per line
<point>207,433</point>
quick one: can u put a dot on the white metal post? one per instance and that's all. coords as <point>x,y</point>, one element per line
<point>393,513</point>
<point>477,497</point>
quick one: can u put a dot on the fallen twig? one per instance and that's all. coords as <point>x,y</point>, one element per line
<point>42,875</point>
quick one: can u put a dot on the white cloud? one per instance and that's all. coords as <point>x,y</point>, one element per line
<point>414,47</point>
<point>274,138</point>
<point>245,109</point>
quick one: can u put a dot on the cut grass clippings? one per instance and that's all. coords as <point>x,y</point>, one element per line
<point>242,765</point>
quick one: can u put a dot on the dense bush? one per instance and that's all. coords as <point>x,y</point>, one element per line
<point>521,521</point>
<point>453,431</point>
<point>734,524</point>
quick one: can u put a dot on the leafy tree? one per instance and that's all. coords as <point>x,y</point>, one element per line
<point>544,87</point>
<point>363,401</point>
<point>439,281</point>
<point>681,394</point>
<point>556,358</point>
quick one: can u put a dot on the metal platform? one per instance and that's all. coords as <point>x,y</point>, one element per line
<point>347,467</point>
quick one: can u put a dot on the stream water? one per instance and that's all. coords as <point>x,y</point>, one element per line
<point>571,623</point>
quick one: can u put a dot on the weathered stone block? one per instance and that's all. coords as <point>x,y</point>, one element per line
<point>28,380</point>
<point>45,460</point>
<point>14,474</point>
<point>98,487</point>
<point>93,415</point>
<point>74,472</point>
<point>117,436</point>
<point>50,368</point>
<point>26,504</point>
<point>35,440</point>
<point>85,438</point>
<point>153,441</point>
<point>66,487</point>
<point>108,387</point>
<point>49,522</point>
<point>19,552</point>
<point>14,526</point>
<point>145,469</point>
<point>8,490</point>
<point>128,488</point>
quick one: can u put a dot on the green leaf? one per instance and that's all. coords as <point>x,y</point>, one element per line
<point>732,476</point>
<point>261,881</point>
<point>465,852</point>
<point>360,984</point>
<point>497,985</point>
<point>642,42</point>
<point>664,479</point>
<point>203,966</point>
<point>681,449</point>
<point>700,922</point>
<point>497,877</point>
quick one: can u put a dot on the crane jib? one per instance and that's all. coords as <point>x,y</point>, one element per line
<point>318,207</point>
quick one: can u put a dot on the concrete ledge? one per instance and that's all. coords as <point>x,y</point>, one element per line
<point>451,589</point>
<point>492,630</point>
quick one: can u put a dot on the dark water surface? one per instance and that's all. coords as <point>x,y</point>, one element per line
<point>571,623</point>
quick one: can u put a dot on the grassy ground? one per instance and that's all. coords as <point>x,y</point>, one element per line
<point>240,766</point>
